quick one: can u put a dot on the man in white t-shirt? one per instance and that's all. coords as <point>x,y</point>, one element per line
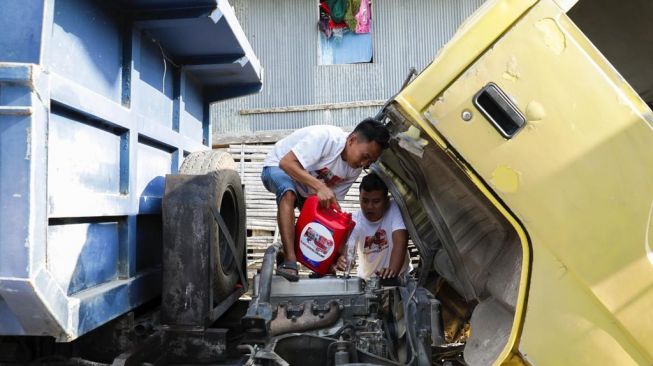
<point>380,235</point>
<point>321,160</point>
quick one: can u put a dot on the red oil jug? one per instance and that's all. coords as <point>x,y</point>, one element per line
<point>319,235</point>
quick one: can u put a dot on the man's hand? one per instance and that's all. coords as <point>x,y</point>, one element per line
<point>341,264</point>
<point>326,197</point>
<point>397,256</point>
<point>386,273</point>
<point>291,165</point>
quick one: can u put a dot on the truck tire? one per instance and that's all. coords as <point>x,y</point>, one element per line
<point>203,162</point>
<point>230,201</point>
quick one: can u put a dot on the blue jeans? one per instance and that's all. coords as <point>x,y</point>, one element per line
<point>278,182</point>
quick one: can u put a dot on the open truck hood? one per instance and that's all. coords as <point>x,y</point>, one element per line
<point>519,158</point>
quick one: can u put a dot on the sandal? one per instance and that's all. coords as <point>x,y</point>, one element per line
<point>288,270</point>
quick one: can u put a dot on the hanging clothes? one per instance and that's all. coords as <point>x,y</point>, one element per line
<point>338,9</point>
<point>363,17</point>
<point>327,25</point>
<point>325,20</point>
<point>350,15</point>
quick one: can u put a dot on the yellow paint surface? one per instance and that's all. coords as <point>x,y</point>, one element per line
<point>535,111</point>
<point>505,179</point>
<point>578,177</point>
<point>551,35</point>
<point>512,70</point>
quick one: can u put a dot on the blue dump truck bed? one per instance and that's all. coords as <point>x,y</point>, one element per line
<point>98,101</point>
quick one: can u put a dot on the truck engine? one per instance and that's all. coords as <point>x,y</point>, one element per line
<point>339,321</point>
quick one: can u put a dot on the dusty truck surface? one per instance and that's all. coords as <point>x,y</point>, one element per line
<point>99,100</point>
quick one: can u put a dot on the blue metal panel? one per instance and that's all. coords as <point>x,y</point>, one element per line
<point>154,161</point>
<point>99,305</point>
<point>83,158</point>
<point>15,73</point>
<point>16,124</point>
<point>87,133</point>
<point>86,50</point>
<point>179,36</point>
<point>15,95</point>
<point>234,71</point>
<point>153,90</point>
<point>29,307</point>
<point>9,323</point>
<point>14,194</point>
<point>84,167</point>
<point>192,110</point>
<point>83,101</point>
<point>20,39</point>
<point>150,5</point>
<point>83,255</point>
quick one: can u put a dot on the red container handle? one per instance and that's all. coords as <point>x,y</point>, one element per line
<point>335,207</point>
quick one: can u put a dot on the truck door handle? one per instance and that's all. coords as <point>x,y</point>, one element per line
<point>497,108</point>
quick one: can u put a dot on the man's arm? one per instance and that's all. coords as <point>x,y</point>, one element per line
<point>398,254</point>
<point>291,165</point>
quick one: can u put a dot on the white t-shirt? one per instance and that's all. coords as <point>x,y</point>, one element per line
<point>374,241</point>
<point>318,149</point>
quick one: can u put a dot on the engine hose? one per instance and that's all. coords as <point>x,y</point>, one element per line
<point>265,279</point>
<point>338,333</point>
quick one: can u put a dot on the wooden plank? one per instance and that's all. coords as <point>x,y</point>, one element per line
<point>259,137</point>
<point>242,160</point>
<point>249,149</point>
<point>314,107</point>
<point>260,157</point>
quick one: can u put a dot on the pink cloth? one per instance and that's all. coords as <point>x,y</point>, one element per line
<point>363,17</point>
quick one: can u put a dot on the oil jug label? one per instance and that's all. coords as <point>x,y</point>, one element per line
<point>316,242</point>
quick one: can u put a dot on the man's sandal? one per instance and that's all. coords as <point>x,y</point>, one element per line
<point>288,271</point>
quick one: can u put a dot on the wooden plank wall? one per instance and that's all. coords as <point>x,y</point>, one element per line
<point>261,206</point>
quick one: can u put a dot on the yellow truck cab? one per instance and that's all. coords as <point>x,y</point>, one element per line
<point>523,166</point>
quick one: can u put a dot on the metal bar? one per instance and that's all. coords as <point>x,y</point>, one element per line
<point>16,111</point>
<point>266,272</point>
<point>225,304</point>
<point>314,107</point>
<point>150,347</point>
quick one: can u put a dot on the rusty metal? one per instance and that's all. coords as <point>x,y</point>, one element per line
<point>196,347</point>
<point>149,351</point>
<point>259,313</point>
<point>307,321</point>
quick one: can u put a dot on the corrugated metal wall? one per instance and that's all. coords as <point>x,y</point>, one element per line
<point>284,35</point>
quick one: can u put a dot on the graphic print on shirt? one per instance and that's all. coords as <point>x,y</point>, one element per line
<point>375,243</point>
<point>327,177</point>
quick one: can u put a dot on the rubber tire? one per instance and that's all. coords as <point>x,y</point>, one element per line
<point>204,162</point>
<point>230,201</point>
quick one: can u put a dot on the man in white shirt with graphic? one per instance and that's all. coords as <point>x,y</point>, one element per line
<point>322,160</point>
<point>380,235</point>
